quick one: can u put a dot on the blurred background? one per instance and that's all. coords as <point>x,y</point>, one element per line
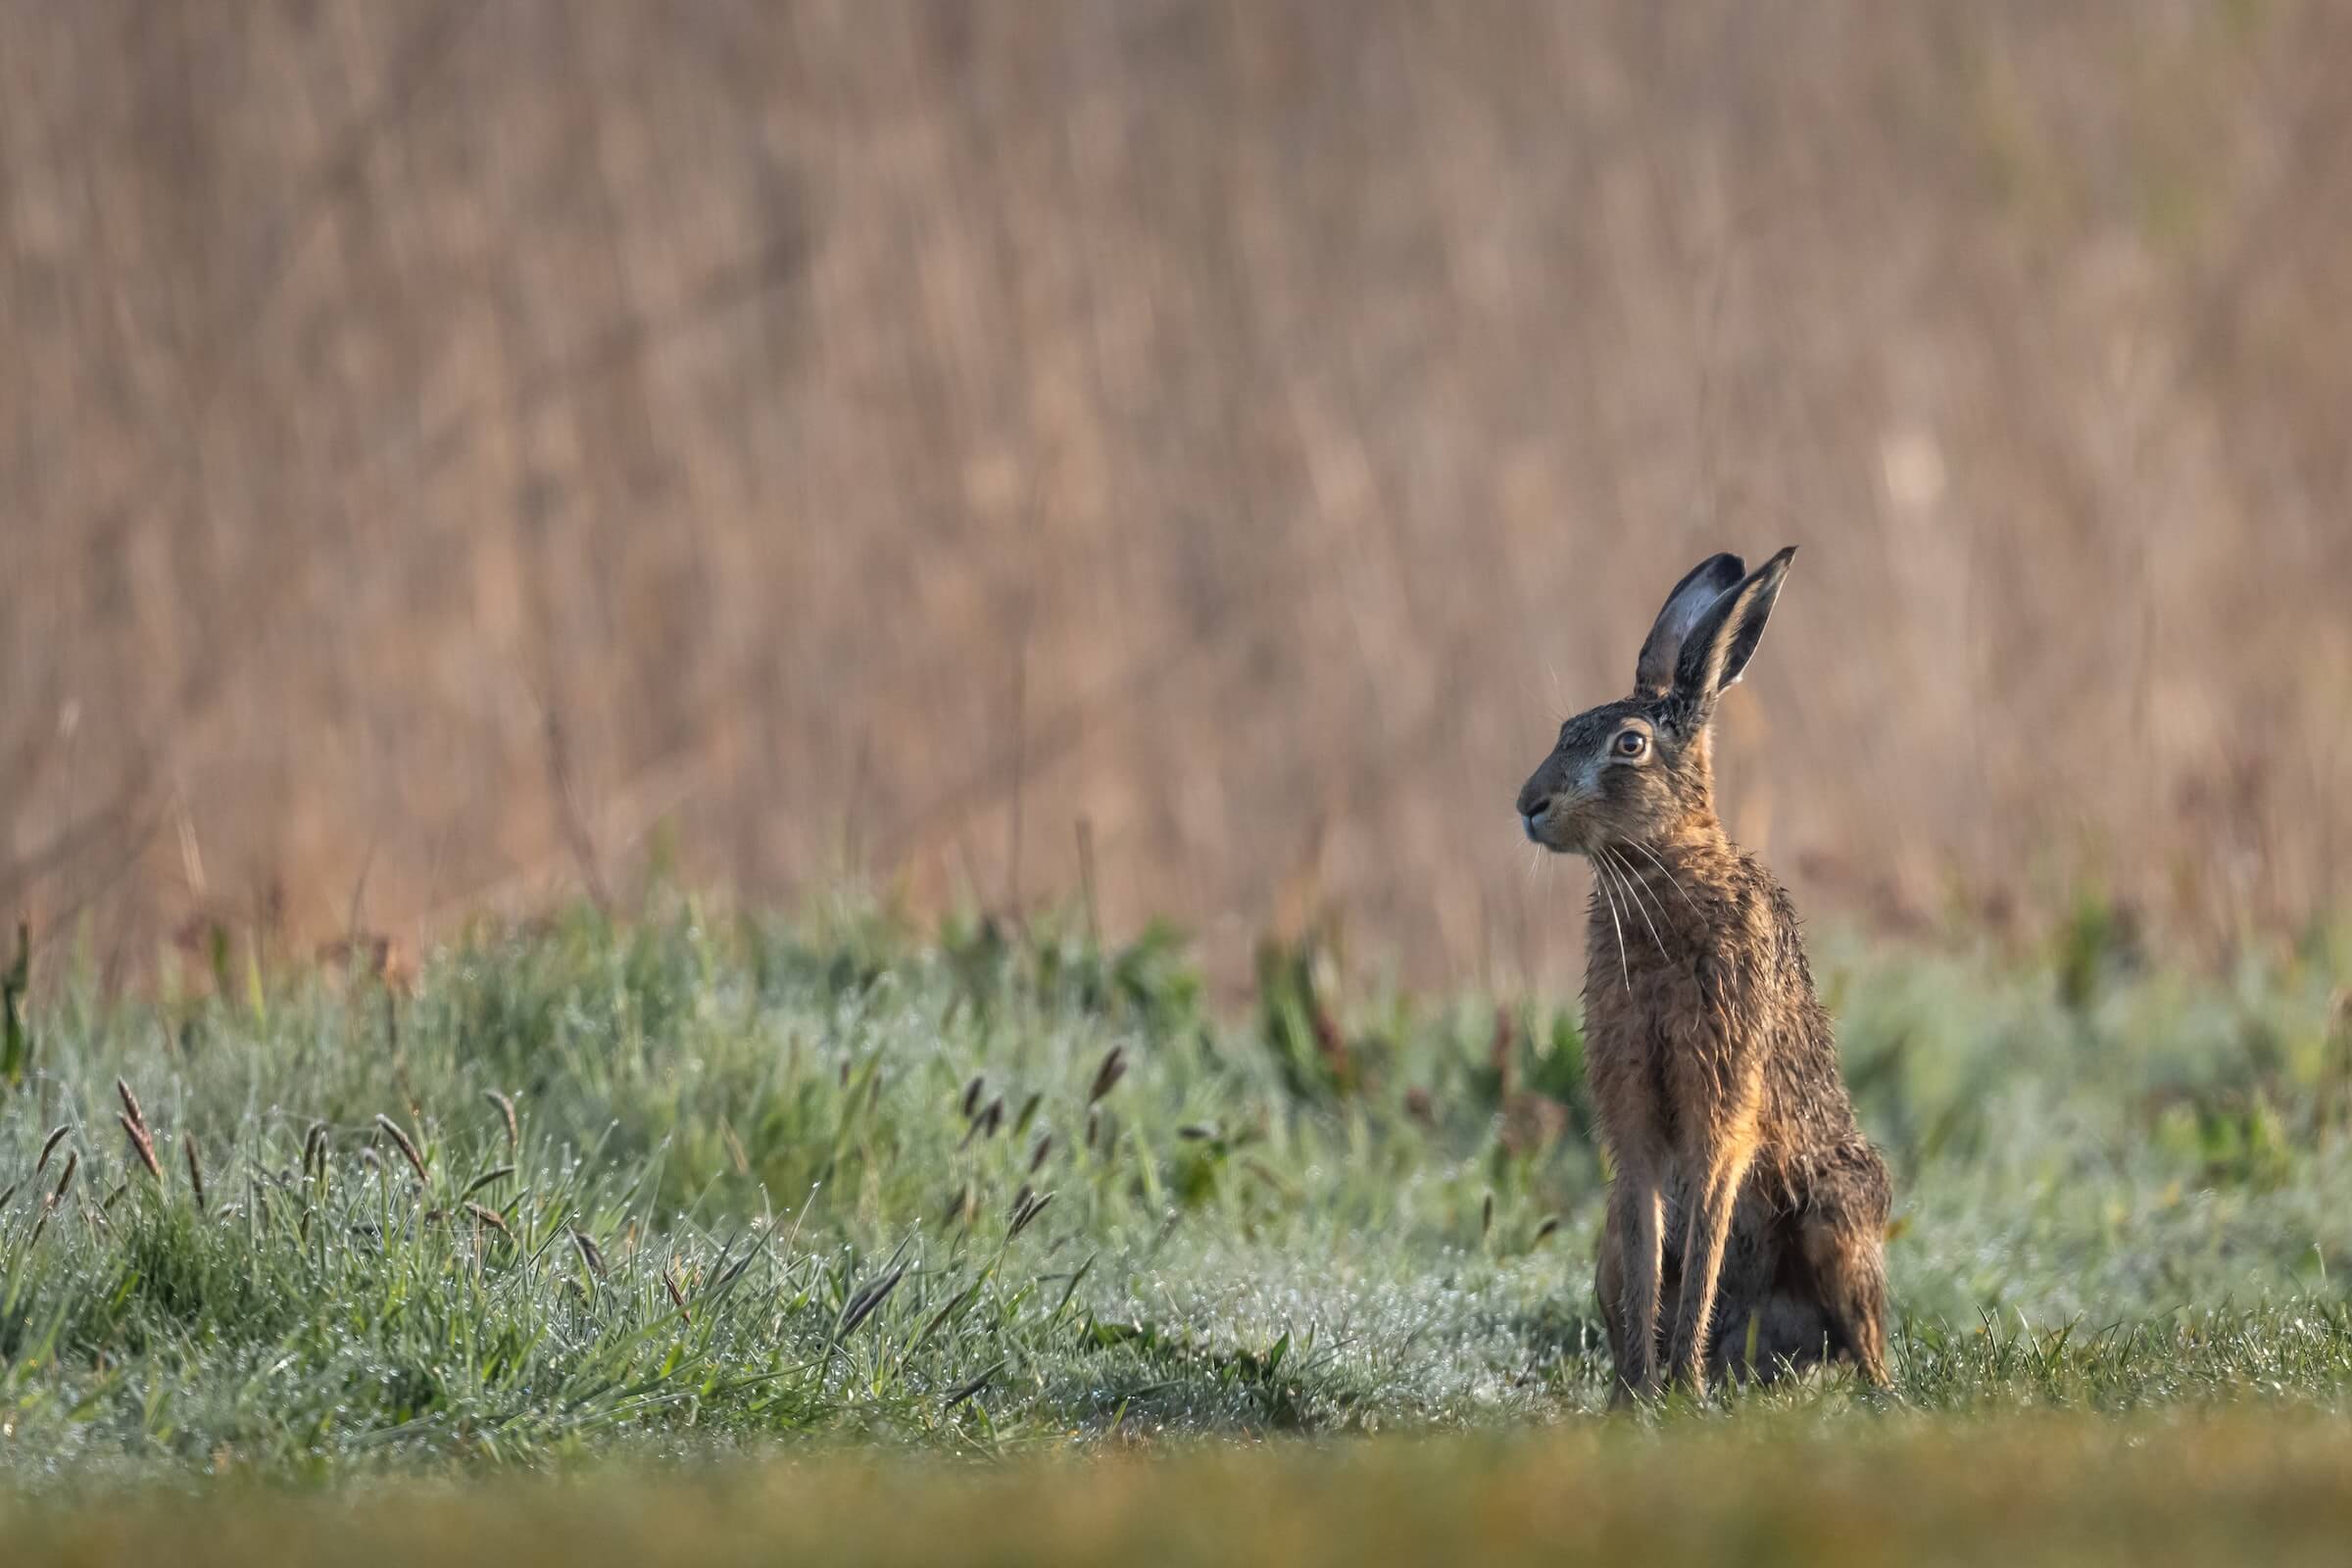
<point>455,456</point>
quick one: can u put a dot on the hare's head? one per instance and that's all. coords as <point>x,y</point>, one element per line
<point>1636,768</point>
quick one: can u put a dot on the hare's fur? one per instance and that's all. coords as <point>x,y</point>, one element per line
<point>1747,1212</point>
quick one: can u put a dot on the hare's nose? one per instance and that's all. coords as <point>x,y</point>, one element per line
<point>1534,802</point>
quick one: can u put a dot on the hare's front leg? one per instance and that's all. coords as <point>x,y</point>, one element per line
<point>1638,1220</point>
<point>1717,1163</point>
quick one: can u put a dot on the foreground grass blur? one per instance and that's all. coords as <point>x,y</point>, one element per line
<point>2050,1487</point>
<point>678,1190</point>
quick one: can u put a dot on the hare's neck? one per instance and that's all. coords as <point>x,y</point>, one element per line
<point>1687,869</point>
<point>1697,842</point>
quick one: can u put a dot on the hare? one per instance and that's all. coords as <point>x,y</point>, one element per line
<point>1747,1212</point>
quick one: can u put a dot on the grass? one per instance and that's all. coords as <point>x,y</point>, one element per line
<point>986,1193</point>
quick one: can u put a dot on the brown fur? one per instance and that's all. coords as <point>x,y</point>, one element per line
<point>1747,1208</point>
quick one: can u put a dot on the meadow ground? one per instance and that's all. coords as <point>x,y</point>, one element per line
<point>712,1238</point>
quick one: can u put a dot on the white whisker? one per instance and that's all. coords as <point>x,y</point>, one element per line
<point>1633,890</point>
<point>1601,880</point>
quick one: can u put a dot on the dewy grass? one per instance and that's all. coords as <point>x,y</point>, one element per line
<point>673,1187</point>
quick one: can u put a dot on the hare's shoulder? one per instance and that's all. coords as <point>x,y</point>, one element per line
<point>1754,977</point>
<point>1775,930</point>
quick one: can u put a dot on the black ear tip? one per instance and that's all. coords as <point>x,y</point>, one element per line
<point>1720,572</point>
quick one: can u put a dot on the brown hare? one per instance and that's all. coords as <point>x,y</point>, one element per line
<point>1747,1214</point>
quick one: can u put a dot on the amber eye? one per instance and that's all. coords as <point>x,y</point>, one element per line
<point>1629,743</point>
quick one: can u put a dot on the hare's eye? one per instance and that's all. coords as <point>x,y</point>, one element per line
<point>1629,743</point>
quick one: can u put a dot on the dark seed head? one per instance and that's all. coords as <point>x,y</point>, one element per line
<point>862,1305</point>
<point>66,1180</point>
<point>1108,1076</point>
<point>187,1148</point>
<point>1030,1208</point>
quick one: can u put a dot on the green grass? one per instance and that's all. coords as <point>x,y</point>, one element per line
<point>763,1182</point>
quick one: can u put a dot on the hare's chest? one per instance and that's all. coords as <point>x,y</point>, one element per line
<point>1630,1065</point>
<point>1656,1059</point>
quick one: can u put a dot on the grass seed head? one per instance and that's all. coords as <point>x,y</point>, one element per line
<point>506,1110</point>
<point>485,1179</point>
<point>1108,1076</point>
<point>1030,1208</point>
<point>974,1387</point>
<point>407,1148</point>
<point>141,1143</point>
<point>65,1181</point>
<point>49,1147</point>
<point>130,1104</point>
<point>865,1304</point>
<point>187,1148</point>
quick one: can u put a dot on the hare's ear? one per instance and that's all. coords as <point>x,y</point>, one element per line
<point>1718,648</point>
<point>1701,587</point>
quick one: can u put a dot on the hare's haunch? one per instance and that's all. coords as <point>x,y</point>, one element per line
<point>1747,1214</point>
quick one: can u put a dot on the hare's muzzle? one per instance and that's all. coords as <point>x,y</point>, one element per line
<point>1535,807</point>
